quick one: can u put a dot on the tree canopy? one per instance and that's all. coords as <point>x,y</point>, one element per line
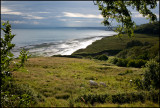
<point>118,10</point>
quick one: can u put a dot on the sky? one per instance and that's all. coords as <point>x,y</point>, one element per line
<point>47,14</point>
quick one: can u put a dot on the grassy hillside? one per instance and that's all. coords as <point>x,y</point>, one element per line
<point>112,45</point>
<point>60,81</point>
<point>152,28</point>
<point>64,81</point>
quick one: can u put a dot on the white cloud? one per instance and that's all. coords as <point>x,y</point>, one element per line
<point>69,14</point>
<point>5,10</point>
<point>33,17</point>
<point>138,15</point>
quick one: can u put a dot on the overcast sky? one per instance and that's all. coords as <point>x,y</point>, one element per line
<point>29,14</point>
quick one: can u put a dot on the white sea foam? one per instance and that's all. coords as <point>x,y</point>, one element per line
<point>66,46</point>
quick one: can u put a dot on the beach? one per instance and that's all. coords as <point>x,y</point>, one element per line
<point>56,41</point>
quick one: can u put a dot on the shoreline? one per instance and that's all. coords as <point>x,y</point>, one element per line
<point>65,48</point>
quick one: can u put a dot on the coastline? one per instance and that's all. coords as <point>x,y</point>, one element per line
<point>63,48</point>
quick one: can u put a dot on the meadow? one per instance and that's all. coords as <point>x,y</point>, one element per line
<point>64,82</point>
<point>123,71</point>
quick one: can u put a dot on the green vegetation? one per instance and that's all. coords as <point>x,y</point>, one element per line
<point>144,43</point>
<point>101,57</point>
<point>152,28</point>
<point>113,45</point>
<point>61,81</point>
<point>128,78</point>
<point>11,94</point>
<point>119,11</point>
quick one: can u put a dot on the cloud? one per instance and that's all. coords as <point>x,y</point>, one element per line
<point>18,22</point>
<point>5,10</point>
<point>69,14</point>
<point>138,15</point>
<point>33,17</point>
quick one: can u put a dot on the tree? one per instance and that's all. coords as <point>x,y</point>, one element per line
<point>117,9</point>
<point>9,94</point>
<point>6,55</point>
<point>151,75</point>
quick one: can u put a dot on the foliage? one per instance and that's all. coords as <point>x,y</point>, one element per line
<point>134,43</point>
<point>151,76</point>
<point>14,95</point>
<point>136,63</point>
<point>122,62</point>
<point>101,57</point>
<point>128,62</point>
<point>119,98</point>
<point>113,45</point>
<point>9,95</point>
<point>148,28</point>
<point>6,54</point>
<point>119,11</point>
<point>91,98</point>
<point>140,52</point>
<point>113,60</point>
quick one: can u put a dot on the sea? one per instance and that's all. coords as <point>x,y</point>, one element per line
<point>56,41</point>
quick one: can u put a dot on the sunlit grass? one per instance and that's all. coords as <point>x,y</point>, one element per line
<point>59,80</point>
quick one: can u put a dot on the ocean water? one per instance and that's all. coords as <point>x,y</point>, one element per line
<point>63,40</point>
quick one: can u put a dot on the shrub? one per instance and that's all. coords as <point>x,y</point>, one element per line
<point>114,60</point>
<point>136,63</point>
<point>92,98</point>
<point>102,57</point>
<point>151,75</point>
<point>139,63</point>
<point>134,43</point>
<point>138,83</point>
<point>120,98</point>
<point>131,63</point>
<point>9,95</point>
<point>122,62</point>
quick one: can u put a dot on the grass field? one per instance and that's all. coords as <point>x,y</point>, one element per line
<point>116,44</point>
<point>60,82</point>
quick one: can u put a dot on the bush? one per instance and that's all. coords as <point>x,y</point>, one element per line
<point>114,60</point>
<point>122,62</point>
<point>139,63</point>
<point>102,57</point>
<point>120,98</point>
<point>151,75</point>
<point>9,95</point>
<point>138,83</point>
<point>92,98</point>
<point>136,63</point>
<point>131,63</point>
<point>134,43</point>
